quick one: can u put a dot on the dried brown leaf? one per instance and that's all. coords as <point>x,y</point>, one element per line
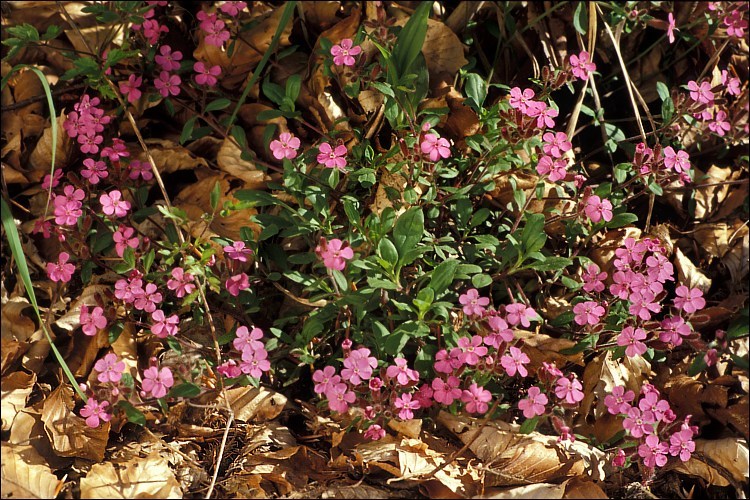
<point>230,161</point>
<point>148,477</point>
<point>731,454</point>
<point>689,274</point>
<point>526,492</point>
<point>16,389</point>
<point>168,156</point>
<point>41,157</point>
<point>26,475</point>
<point>252,404</point>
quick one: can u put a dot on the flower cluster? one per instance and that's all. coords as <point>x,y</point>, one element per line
<point>86,124</point>
<point>253,355</point>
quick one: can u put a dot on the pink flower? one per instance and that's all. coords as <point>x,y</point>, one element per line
<point>55,180</point>
<point>123,238</point>
<point>94,411</point>
<point>732,84</point>
<point>285,146</point>
<point>181,282</point>
<point>334,253</point>
<point>581,65</point>
<point>167,84</point>
<point>229,369</point>
<point>206,76</point>
<point>682,444</point>
<point>156,381</point>
<point>597,209</point>
<point>520,99</point>
<point>500,332</point>
<point>720,125</point>
<point>736,26</point>
<point>62,270</point>
<point>519,313</point>
<point>325,379</point>
<point>619,400</point>
<point>332,158</point>
<point>642,304</point>
<point>557,169</point>
<point>650,403</point>
<point>636,424</point>
<point>90,144</point>
<point>533,405</point>
<point>117,150</point>
<point>401,372</point>
<point>545,116</point>
<point>689,300</point>
<point>660,269</point>
<point>232,8</point>
<point>555,144</point>
<point>474,305</point>
<point>620,458</point>
<point>163,326</point>
<point>140,169</point>
<point>94,171</point>
<point>678,161</point>
<point>248,339</point>
<point>515,361</point>
<point>476,399</point>
<point>632,337</point>
<point>358,366</point>
<point>131,87</point>
<point>238,251</point>
<point>343,52</point>
<point>92,322</point>
<point>653,452</point>
<point>674,328</point>
<point>255,362</point>
<point>711,357</point>
<point>216,35</point>
<point>671,27</point>
<point>434,147</point>
<point>376,383</point>
<point>146,299</point>
<point>472,350</point>
<point>128,290</point>
<point>113,204</point>
<point>374,432</point>
<point>406,404</point>
<point>340,397</point>
<point>152,30</point>
<point>446,391</point>
<point>569,390</point>
<point>67,211</point>
<point>593,280</point>
<point>235,284</point>
<point>110,368</point>
<point>168,60</point>
<point>443,363</point>
<point>588,312</point>
<point>701,93</point>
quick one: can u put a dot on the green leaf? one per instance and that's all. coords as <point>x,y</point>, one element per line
<point>293,86</point>
<point>384,88</point>
<point>273,91</point>
<point>411,39</point>
<point>407,232</point>
<point>269,114</point>
<point>581,18</point>
<point>530,423</point>
<point>655,188</point>
<point>186,390</point>
<point>533,236</point>
<point>133,414</point>
<point>395,342</point>
<point>388,252</point>
<point>551,264</point>
<point>442,276</point>
<point>129,257</point>
<point>481,280</point>
<point>621,220</point>
<point>698,366</point>
<point>476,89</point>
<point>218,104</point>
<point>148,260</point>
<point>215,194</point>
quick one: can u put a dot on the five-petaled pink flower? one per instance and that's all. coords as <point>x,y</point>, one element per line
<point>168,60</point>
<point>238,251</point>
<point>406,404</point>
<point>401,372</point>
<point>325,379</point>
<point>332,158</point>
<point>682,444</point>
<point>235,284</point>
<point>515,361</point>
<point>92,321</point>
<point>232,8</point>
<point>374,432</point>
<point>701,93</point>
<point>588,312</point>
<point>167,84</point>
<point>62,270</point>
<point>181,282</point>
<point>94,171</point>
<point>519,313</point>
<point>164,326</point>
<point>113,204</point>
<point>632,338</point>
<point>340,397</point>
<point>619,400</point>
<point>476,398</point>
<point>593,280</point>
<point>689,300</point>
<point>248,339</point>
<point>343,52</point>
<point>534,404</point>
<point>123,238</point>
<point>569,390</point>
<point>131,88</point>
<point>555,144</point>
<point>678,161</point>
<point>206,75</point>
<point>653,452</point>
<point>671,27</point>
<point>435,147</point>
<point>597,209</point>
<point>156,381</point>
<point>521,99</point>
<point>285,146</point>
<point>581,65</point>
<point>94,411</point>
<point>446,391</point>
<point>474,305</point>
<point>110,368</point>
<point>334,253</point>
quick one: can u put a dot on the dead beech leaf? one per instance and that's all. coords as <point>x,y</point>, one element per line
<point>148,477</point>
<point>518,459</point>
<point>529,491</point>
<point>16,389</point>
<point>731,454</point>
<point>735,415</point>
<point>709,198</point>
<point>689,274</point>
<point>68,433</point>
<point>443,51</point>
<point>25,473</point>
<point>255,405</point>
<point>71,319</point>
<point>320,14</point>
<point>41,157</point>
<point>729,242</point>
<point>168,156</point>
<point>409,428</point>
<point>248,51</point>
<point>543,348</point>
<point>11,352</point>
<point>17,325</point>
<point>230,161</point>
<point>583,488</point>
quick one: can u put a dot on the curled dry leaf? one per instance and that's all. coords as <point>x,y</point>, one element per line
<point>730,243</point>
<point>68,433</point>
<point>529,491</point>
<point>710,193</point>
<point>230,161</point>
<point>518,459</point>
<point>26,475</point>
<point>41,157</point>
<point>168,156</point>
<point>16,389</point>
<point>603,253</point>
<point>320,14</point>
<point>71,319</point>
<point>252,404</point>
<point>148,477</point>
<point>689,274</point>
<point>443,51</point>
<point>688,397</point>
<point>248,50</point>
<point>720,462</point>
<point>543,348</point>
